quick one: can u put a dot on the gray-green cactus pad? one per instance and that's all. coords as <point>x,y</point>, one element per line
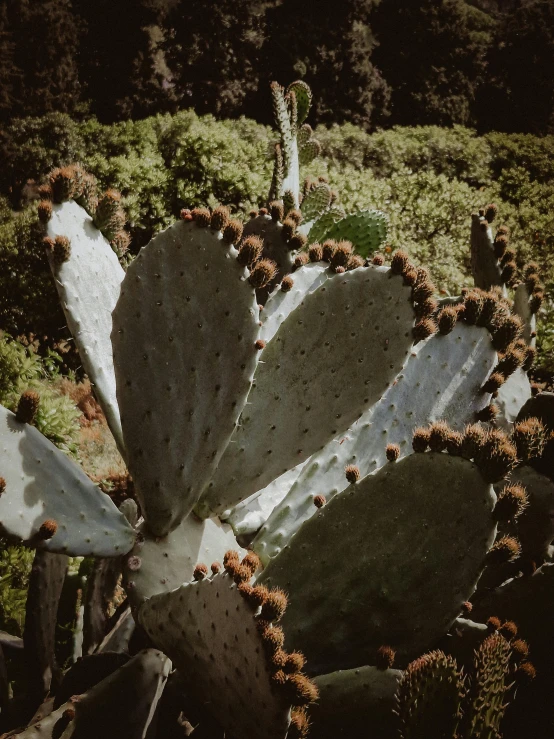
<point>305,280</point>
<point>512,396</point>
<point>330,360</point>
<point>247,517</point>
<point>441,380</point>
<point>43,483</point>
<point>160,564</point>
<point>356,703</point>
<point>88,284</point>
<point>366,230</point>
<point>184,338</point>
<point>209,631</point>
<point>409,544</point>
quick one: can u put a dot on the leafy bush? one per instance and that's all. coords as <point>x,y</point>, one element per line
<point>15,568</point>
<point>426,178</point>
<point>20,370</point>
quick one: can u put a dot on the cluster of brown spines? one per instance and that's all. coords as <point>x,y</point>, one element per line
<point>269,605</point>
<point>47,529</point>
<point>74,183</point>
<point>27,407</point>
<point>534,286</point>
<point>59,248</point>
<point>425,306</point>
<point>520,667</point>
<point>338,254</point>
<point>491,449</point>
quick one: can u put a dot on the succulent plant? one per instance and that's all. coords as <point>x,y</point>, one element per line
<point>324,411</point>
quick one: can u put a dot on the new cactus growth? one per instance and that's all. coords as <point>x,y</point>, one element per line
<point>265,378</point>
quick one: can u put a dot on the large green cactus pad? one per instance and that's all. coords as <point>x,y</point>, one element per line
<point>409,545</point>
<point>209,631</point>
<point>441,380</point>
<point>42,483</point>
<point>88,284</point>
<point>184,338</point>
<point>330,360</point>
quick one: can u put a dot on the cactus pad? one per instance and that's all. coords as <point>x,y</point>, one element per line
<point>366,230</point>
<point>185,308</point>
<point>355,703</point>
<point>43,484</point>
<point>280,304</point>
<point>210,632</point>
<point>413,577</point>
<point>160,564</point>
<point>88,284</point>
<point>341,332</point>
<point>440,380</point>
<point>316,202</point>
<point>513,394</point>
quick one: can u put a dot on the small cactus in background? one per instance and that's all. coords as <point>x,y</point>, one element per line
<point>276,384</point>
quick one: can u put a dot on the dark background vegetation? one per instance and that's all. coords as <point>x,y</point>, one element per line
<point>488,64</point>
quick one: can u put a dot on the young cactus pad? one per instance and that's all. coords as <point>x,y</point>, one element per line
<point>332,358</point>
<point>410,543</point>
<point>42,484</point>
<point>184,336</point>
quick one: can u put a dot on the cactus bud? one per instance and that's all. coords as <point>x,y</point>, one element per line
<point>447,319</point>
<point>250,251</point>
<point>493,383</point>
<point>354,262</point>
<point>215,568</point>
<point>384,658</point>
<point>467,608</point>
<point>186,215</point>
<point>44,211</point>
<point>490,212</point>
<point>378,260</point>
<point>504,550</point>
<point>342,254</point>
<point>500,245</point>
<point>352,473</point>
<point>525,672</point>
<point>47,529</point>
<point>299,724</point>
<point>329,248</point>
<point>220,218</point>
<point>289,228</point>
<point>300,260</point>
<point>506,332</point>
<point>287,284</point>
<point>423,329</point>
<point>493,623</point>
<point>420,440</point>
<point>298,241</point>
<point>277,210</point>
<point>315,252</point>
<point>520,649</point>
<point>511,503</point>
<point>319,501</point>
<point>530,354</point>
<point>509,272</point>
<point>61,250</point>
<point>232,232</point>
<point>200,572</point>
<point>296,216</point>
<point>2,485</point>
<point>27,407</point>
<point>529,436</point>
<point>399,262</point>
<point>274,606</point>
<point>474,439</point>
<point>300,690</point>
<point>508,630</point>
<point>260,344</point>
<point>201,216</point>
<point>392,452</point>
<point>252,561</point>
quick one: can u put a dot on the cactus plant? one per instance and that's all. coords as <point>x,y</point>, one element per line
<point>350,389</point>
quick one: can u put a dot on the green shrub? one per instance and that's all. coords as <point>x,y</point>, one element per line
<point>15,568</point>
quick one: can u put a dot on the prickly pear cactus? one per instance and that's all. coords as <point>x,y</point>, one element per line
<point>273,390</point>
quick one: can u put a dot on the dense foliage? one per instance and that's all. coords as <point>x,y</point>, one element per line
<point>372,62</point>
<point>427,179</point>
